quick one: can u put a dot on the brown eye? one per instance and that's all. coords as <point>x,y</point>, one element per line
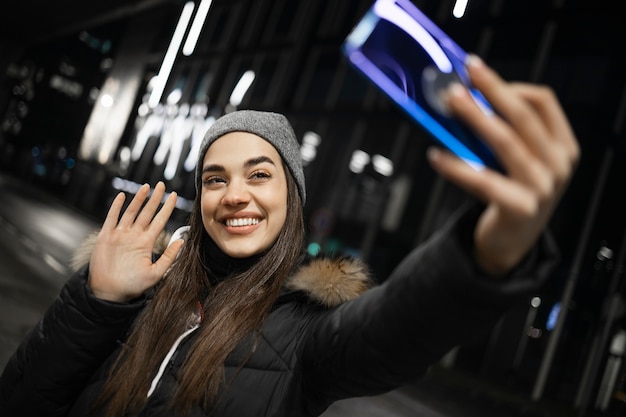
<point>212,180</point>
<point>260,175</point>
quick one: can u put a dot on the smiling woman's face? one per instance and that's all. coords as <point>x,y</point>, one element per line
<point>244,194</point>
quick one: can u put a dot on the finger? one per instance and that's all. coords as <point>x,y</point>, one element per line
<point>513,153</point>
<point>133,208</point>
<point>549,110</point>
<point>162,217</point>
<point>522,142</point>
<point>535,114</point>
<point>553,117</point>
<point>147,213</point>
<point>487,185</point>
<point>167,258</point>
<point>113,215</point>
<point>551,147</point>
<point>523,118</point>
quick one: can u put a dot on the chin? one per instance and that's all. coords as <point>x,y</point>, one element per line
<point>242,252</point>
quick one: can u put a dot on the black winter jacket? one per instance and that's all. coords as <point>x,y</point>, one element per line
<point>322,342</point>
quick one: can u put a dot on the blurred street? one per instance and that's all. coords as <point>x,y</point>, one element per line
<point>39,234</point>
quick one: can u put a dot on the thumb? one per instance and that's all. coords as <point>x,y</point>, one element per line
<point>169,256</point>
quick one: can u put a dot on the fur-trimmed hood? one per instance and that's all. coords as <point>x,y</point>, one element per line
<point>329,279</point>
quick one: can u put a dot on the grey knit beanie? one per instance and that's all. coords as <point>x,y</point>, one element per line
<point>273,127</point>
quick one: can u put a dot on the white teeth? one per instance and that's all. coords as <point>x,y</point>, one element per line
<point>241,222</point>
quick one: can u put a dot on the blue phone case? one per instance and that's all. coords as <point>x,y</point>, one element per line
<point>410,59</point>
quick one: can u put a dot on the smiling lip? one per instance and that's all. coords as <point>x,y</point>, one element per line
<point>241,225</point>
<point>242,222</point>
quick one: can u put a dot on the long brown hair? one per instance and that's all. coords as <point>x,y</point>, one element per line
<point>234,308</point>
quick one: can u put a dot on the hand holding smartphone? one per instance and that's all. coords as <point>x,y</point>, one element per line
<point>412,60</point>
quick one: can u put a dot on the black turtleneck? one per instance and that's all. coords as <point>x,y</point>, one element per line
<point>220,265</point>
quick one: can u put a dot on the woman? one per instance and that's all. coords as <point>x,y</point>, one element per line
<point>231,321</point>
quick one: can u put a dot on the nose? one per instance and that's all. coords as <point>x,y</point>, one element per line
<point>236,193</point>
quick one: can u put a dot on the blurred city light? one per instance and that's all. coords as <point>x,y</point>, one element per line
<point>175,96</point>
<point>124,157</point>
<point>66,86</point>
<point>143,110</point>
<point>358,161</point>
<point>553,316</point>
<point>241,88</point>
<point>108,118</point>
<point>201,125</point>
<point>151,127</point>
<point>604,253</point>
<point>535,302</point>
<point>131,187</point>
<point>382,165</point>
<point>179,131</point>
<point>311,138</point>
<point>170,55</point>
<point>459,8</point>
<point>106,100</point>
<point>314,248</point>
<point>196,27</point>
<point>308,150</point>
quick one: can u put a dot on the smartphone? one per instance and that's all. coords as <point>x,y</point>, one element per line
<point>409,58</point>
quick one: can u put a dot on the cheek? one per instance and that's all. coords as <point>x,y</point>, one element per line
<point>281,210</point>
<point>207,207</point>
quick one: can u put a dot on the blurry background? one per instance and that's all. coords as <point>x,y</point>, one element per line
<point>98,97</point>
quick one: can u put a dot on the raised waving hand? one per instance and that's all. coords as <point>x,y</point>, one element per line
<point>121,266</point>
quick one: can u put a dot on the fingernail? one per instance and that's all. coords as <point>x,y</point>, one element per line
<point>433,153</point>
<point>473,60</point>
<point>455,89</point>
<point>443,96</point>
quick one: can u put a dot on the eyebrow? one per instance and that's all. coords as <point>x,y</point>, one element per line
<point>249,163</point>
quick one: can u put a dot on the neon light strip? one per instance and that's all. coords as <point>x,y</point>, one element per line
<point>170,55</point>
